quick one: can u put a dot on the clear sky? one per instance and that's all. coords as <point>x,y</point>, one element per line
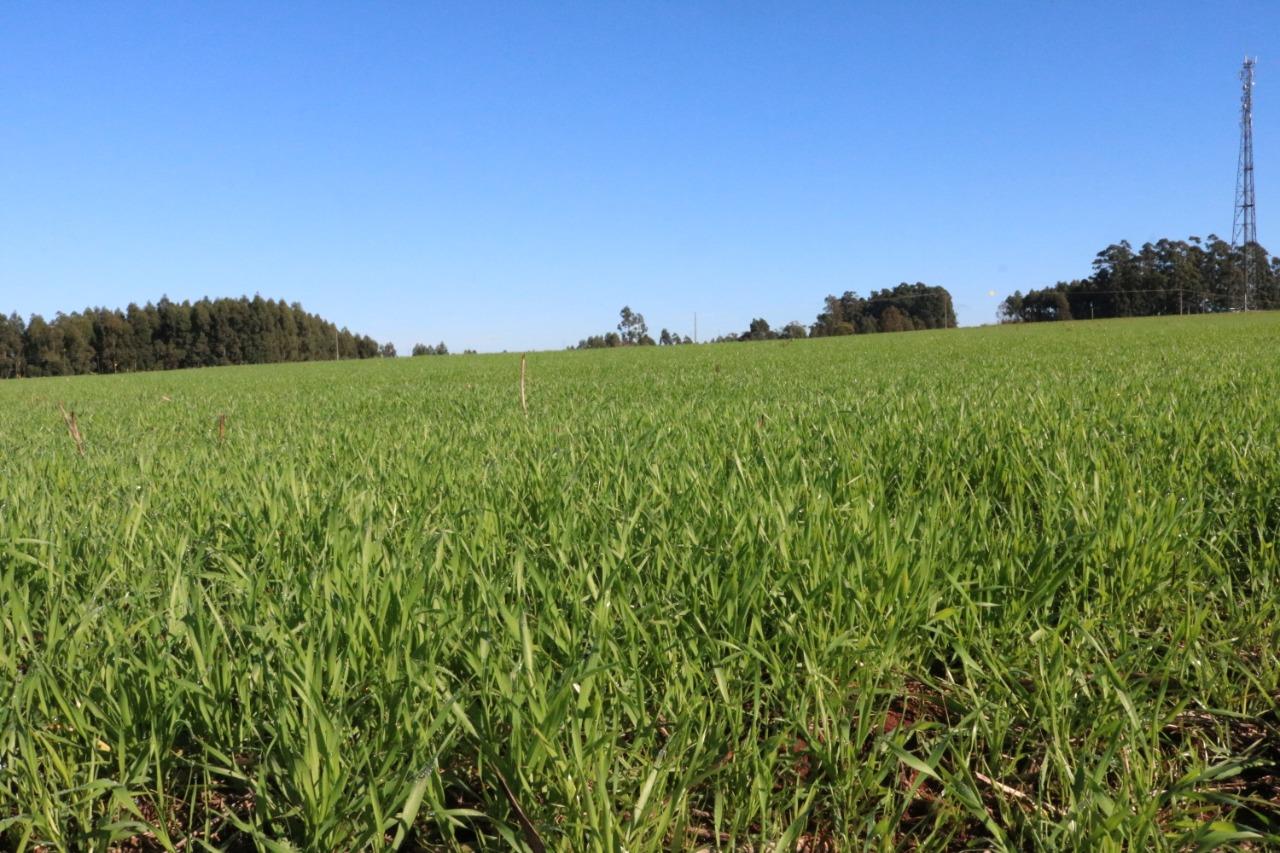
<point>508,175</point>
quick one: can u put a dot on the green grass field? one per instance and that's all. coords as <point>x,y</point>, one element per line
<point>1009,587</point>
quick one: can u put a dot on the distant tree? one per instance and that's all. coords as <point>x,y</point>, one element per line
<point>77,342</point>
<point>12,347</point>
<point>142,322</point>
<point>758,331</point>
<point>198,351</point>
<point>665,339</point>
<point>893,320</point>
<point>388,350</point>
<point>606,341</point>
<point>838,316</point>
<point>421,349</point>
<point>632,327</point>
<point>632,331</point>
<point>43,349</point>
<point>441,349</point>
<point>795,329</point>
<point>1010,310</point>
<point>173,328</point>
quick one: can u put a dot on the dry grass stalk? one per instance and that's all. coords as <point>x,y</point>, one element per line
<point>73,429</point>
<point>222,428</point>
<point>1020,795</point>
<point>531,836</point>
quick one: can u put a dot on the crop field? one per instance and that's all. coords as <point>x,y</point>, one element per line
<point>1011,587</point>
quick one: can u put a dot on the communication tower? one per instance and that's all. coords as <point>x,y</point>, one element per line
<point>1244,227</point>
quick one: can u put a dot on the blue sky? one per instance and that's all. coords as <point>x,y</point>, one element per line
<point>508,175</point>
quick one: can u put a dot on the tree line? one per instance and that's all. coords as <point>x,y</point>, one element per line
<point>212,332</point>
<point>904,308</point>
<point>168,335</point>
<point>1191,276</point>
<point>632,331</point>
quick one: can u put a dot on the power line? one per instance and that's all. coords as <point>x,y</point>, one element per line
<point>1134,290</point>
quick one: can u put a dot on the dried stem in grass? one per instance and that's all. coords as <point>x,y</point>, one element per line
<point>73,429</point>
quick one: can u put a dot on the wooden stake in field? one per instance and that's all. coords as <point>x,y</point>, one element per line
<point>69,418</point>
<point>222,428</point>
<point>524,405</point>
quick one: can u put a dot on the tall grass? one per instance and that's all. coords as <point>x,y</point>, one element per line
<point>1009,588</point>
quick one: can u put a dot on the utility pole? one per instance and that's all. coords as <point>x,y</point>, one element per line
<point>337,356</point>
<point>1244,226</point>
<point>695,327</point>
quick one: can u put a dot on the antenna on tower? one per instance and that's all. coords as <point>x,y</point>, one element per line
<point>1244,227</point>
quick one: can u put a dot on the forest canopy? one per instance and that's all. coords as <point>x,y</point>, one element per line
<point>905,308</point>
<point>1191,276</point>
<point>169,335</point>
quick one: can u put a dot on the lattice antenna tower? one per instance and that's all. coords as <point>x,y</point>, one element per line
<point>1244,227</point>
